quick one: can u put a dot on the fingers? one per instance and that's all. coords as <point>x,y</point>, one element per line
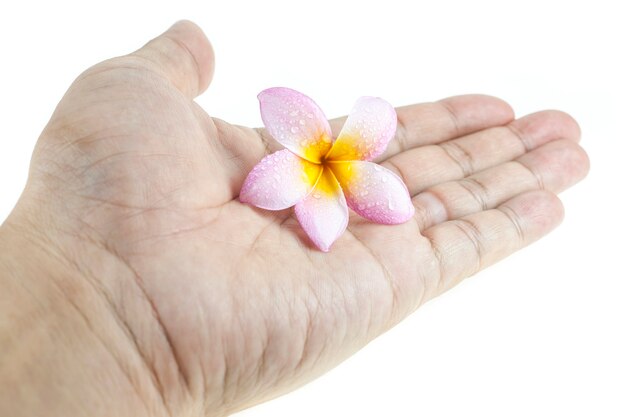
<point>429,165</point>
<point>184,55</point>
<point>418,124</point>
<point>554,166</point>
<point>428,123</point>
<point>471,243</point>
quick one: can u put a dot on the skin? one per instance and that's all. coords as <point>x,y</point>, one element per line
<point>133,282</point>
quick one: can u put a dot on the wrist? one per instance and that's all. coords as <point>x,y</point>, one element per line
<point>61,350</point>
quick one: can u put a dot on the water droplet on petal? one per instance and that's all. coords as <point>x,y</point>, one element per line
<point>294,129</point>
<point>377,168</point>
<point>302,122</point>
<point>309,115</point>
<point>316,195</point>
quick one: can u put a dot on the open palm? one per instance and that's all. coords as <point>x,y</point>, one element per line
<point>218,305</point>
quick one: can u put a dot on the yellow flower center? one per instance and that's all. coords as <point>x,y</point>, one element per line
<point>320,171</point>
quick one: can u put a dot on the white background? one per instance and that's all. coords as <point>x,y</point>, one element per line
<point>543,333</point>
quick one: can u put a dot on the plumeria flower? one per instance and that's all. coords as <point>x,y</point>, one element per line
<point>323,176</point>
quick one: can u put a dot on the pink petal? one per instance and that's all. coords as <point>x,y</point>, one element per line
<point>367,131</point>
<point>374,192</point>
<point>279,181</point>
<point>323,214</point>
<point>296,122</point>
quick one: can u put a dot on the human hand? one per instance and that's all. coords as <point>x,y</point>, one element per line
<point>142,286</point>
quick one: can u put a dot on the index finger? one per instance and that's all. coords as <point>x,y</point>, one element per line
<point>440,121</point>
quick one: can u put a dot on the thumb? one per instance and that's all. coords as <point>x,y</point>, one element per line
<point>184,55</point>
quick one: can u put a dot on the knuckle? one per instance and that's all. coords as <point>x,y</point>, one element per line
<point>459,156</point>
